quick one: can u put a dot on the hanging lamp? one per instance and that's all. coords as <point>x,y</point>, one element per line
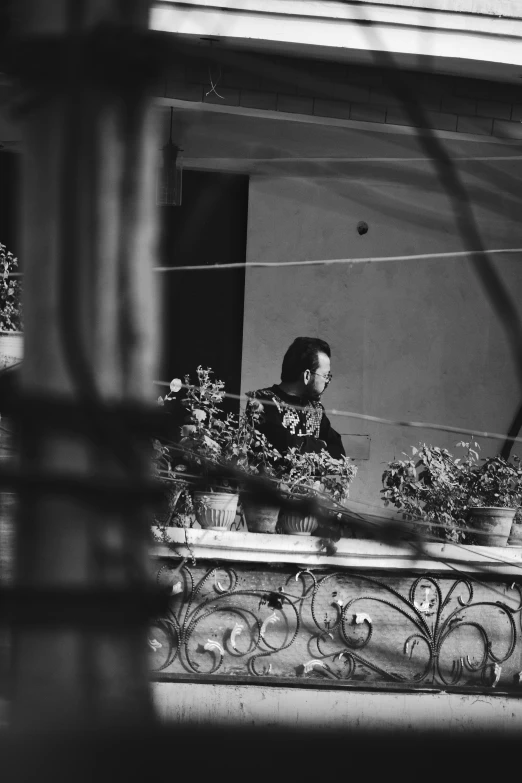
<point>170,173</point>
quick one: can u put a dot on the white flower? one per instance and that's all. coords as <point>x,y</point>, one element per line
<point>199,415</point>
<point>187,429</point>
<point>160,401</point>
<point>175,385</point>
<point>180,468</point>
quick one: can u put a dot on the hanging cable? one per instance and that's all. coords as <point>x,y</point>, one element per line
<point>339,261</point>
<point>329,261</point>
<point>377,419</point>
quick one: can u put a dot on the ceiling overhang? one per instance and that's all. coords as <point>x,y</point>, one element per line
<point>449,42</point>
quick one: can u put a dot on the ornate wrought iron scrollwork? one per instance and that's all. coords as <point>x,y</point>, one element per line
<point>346,627</point>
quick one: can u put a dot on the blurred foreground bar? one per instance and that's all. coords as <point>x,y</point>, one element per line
<point>201,754</point>
<point>88,224</point>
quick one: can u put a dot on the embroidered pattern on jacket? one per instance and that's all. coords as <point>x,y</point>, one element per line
<point>314,414</point>
<point>306,422</point>
<point>291,419</point>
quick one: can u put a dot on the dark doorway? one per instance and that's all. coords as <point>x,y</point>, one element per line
<point>203,311</point>
<point>9,199</point>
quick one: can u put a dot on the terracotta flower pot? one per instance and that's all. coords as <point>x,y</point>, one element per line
<point>215,510</point>
<point>260,517</point>
<point>297,523</point>
<point>490,526</point>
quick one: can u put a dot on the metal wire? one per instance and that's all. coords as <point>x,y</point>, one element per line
<point>378,419</point>
<point>329,261</point>
<point>338,261</point>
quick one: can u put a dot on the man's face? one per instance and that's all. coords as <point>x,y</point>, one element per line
<point>319,378</point>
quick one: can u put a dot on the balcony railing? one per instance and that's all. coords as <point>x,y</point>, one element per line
<point>275,609</point>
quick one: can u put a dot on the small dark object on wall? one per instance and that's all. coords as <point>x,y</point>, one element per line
<point>362,227</point>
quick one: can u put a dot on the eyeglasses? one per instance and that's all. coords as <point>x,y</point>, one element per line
<point>327,378</point>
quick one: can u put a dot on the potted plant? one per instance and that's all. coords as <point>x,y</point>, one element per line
<point>11,315</point>
<point>211,443</point>
<point>431,486</point>
<point>494,495</point>
<point>252,454</point>
<point>464,501</point>
<point>241,450</point>
<point>200,448</point>
<point>318,478</point>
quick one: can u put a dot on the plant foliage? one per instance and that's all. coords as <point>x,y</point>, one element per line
<point>311,474</point>
<point>435,487</point>
<point>11,315</point>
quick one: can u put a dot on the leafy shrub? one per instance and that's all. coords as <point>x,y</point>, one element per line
<point>11,317</point>
<point>434,487</point>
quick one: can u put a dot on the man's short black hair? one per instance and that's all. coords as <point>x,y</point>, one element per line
<point>301,356</point>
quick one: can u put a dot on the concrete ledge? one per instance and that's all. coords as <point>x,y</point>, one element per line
<point>201,704</point>
<point>307,551</point>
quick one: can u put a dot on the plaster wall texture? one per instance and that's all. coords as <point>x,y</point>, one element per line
<point>411,340</point>
<point>294,708</point>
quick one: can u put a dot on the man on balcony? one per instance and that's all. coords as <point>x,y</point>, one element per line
<point>291,413</point>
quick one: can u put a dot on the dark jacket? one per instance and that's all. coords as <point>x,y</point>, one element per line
<point>286,427</point>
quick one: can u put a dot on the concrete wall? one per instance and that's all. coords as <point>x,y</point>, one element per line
<point>411,340</point>
<point>293,708</point>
